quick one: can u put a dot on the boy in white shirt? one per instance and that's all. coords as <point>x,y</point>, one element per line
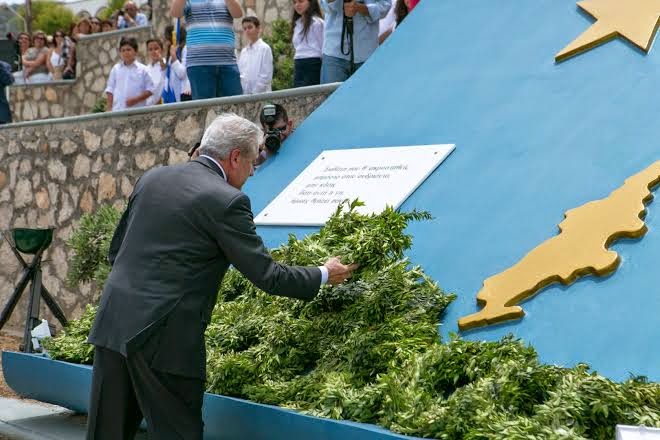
<point>129,84</point>
<point>157,69</point>
<point>256,60</point>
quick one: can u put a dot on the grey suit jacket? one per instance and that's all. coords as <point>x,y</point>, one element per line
<point>183,227</point>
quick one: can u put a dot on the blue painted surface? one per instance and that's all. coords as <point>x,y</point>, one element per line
<point>533,139</point>
<point>225,418</point>
<point>39,378</point>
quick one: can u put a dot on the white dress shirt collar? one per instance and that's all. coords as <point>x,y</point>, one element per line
<point>224,174</point>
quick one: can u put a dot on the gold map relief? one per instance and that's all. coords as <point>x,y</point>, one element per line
<point>634,20</point>
<point>579,249</point>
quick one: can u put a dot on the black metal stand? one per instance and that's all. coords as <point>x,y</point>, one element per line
<point>31,273</point>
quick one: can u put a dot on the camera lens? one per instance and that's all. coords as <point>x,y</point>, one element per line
<point>272,142</point>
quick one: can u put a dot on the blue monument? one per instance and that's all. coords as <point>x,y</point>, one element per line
<point>534,138</point>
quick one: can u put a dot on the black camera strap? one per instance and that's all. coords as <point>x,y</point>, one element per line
<point>347,40</point>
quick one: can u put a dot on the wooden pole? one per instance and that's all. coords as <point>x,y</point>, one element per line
<point>28,16</point>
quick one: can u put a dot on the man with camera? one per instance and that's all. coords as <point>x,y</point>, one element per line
<point>277,127</point>
<point>351,35</point>
<point>130,17</point>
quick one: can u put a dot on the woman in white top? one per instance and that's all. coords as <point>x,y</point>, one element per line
<point>56,61</point>
<point>34,60</point>
<point>307,29</point>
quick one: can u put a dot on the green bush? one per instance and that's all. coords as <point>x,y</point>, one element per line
<point>71,344</point>
<point>90,244</point>
<point>280,43</point>
<point>369,351</point>
<point>99,105</point>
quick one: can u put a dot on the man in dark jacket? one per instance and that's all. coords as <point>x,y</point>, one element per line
<point>6,79</point>
<point>183,227</point>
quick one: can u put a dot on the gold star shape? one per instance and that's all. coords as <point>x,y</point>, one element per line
<point>634,20</point>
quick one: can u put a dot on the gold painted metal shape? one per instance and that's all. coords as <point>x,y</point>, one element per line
<point>579,249</point>
<point>634,20</point>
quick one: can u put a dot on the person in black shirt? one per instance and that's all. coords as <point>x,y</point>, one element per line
<point>6,79</point>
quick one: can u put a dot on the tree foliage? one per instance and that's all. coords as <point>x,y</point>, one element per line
<point>113,5</point>
<point>49,16</point>
<point>90,244</point>
<point>280,43</point>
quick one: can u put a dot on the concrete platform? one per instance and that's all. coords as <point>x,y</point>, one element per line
<point>26,420</point>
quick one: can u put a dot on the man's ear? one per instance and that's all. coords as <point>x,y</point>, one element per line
<point>234,157</point>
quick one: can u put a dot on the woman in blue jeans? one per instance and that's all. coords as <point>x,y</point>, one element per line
<point>211,59</point>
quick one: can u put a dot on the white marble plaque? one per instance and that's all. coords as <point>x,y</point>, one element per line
<point>625,432</point>
<point>377,176</point>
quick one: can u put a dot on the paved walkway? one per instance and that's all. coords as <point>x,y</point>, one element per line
<point>21,420</point>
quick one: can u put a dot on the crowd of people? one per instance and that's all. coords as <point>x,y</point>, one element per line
<point>331,40</point>
<point>44,57</point>
<point>203,63</point>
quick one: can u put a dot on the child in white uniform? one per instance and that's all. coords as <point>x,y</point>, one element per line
<point>157,67</point>
<point>129,84</point>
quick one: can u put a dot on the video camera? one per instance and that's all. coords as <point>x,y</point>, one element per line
<point>273,135</point>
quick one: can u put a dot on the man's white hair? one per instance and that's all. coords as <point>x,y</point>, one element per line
<point>228,132</point>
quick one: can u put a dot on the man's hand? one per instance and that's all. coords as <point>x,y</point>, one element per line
<point>130,102</point>
<point>352,8</point>
<point>337,272</point>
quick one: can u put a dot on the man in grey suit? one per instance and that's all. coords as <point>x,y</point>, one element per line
<point>183,227</point>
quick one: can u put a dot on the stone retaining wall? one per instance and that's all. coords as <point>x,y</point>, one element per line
<point>52,172</point>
